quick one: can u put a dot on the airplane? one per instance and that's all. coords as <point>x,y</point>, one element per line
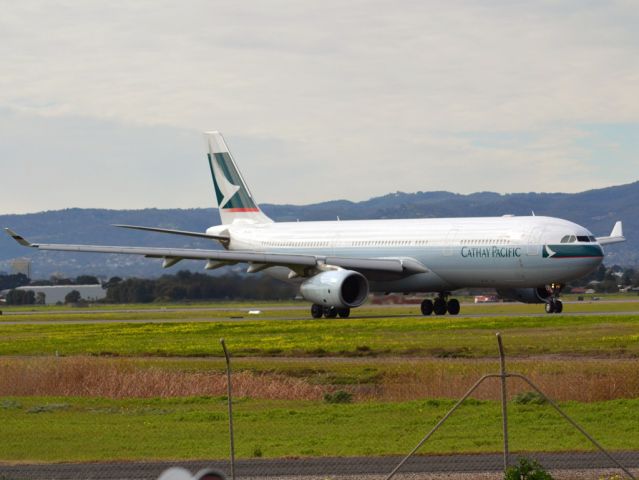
<point>338,263</point>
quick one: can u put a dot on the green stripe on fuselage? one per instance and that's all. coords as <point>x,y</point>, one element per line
<point>572,251</point>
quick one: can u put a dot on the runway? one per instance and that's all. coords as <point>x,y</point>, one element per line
<point>244,316</point>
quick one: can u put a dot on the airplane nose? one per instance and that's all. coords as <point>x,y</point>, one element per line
<point>593,260</point>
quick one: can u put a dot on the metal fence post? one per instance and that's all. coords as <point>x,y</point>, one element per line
<point>230,404</point>
<point>504,400</point>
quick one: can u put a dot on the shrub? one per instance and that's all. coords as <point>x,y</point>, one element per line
<point>529,398</point>
<point>527,470</point>
<point>340,396</point>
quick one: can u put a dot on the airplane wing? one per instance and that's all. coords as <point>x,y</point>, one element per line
<point>301,264</point>
<point>221,238</point>
<point>615,236</point>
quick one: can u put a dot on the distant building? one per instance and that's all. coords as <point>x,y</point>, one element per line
<point>21,266</point>
<point>486,298</point>
<point>56,293</point>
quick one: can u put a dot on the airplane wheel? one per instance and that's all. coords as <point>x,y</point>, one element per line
<point>559,306</point>
<point>550,307</point>
<point>317,311</point>
<point>439,306</point>
<point>427,307</point>
<point>453,306</point>
<point>330,312</point>
<point>344,312</point>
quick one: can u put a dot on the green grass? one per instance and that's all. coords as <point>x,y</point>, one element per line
<point>150,306</point>
<point>432,336</point>
<point>81,429</point>
<point>299,309</point>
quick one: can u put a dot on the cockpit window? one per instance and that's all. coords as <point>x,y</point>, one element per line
<point>592,239</point>
<point>583,238</point>
<point>569,239</point>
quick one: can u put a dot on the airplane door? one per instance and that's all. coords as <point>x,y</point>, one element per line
<point>451,242</point>
<point>534,241</point>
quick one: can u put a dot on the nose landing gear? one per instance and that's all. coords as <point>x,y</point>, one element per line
<point>441,305</point>
<point>553,304</point>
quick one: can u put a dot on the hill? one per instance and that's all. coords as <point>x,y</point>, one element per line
<point>594,209</point>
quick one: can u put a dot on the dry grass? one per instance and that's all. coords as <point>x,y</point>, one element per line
<point>117,378</point>
<point>584,380</point>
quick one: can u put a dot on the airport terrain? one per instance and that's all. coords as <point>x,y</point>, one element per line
<point>153,389</point>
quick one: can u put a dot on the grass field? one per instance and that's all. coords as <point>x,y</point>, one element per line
<point>78,429</point>
<point>616,335</point>
<point>89,391</point>
<point>299,309</point>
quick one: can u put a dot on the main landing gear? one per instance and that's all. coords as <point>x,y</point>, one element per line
<point>319,311</point>
<point>441,305</point>
<point>553,304</point>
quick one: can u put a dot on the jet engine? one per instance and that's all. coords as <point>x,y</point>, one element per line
<point>526,295</point>
<point>336,288</point>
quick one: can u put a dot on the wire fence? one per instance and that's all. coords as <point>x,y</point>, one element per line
<point>274,438</point>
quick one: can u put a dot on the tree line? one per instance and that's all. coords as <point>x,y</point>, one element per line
<point>186,285</point>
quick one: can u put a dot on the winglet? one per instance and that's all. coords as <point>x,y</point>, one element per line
<point>616,236</point>
<point>617,230</point>
<point>18,238</point>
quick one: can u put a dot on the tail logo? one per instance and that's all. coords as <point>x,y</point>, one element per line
<point>230,191</point>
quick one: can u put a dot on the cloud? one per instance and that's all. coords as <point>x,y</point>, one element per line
<point>344,99</point>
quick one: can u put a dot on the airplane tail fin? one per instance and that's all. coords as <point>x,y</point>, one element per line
<point>234,199</point>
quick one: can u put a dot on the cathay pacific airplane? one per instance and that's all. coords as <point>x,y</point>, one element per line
<point>338,263</point>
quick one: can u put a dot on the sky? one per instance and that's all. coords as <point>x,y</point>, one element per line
<point>102,104</point>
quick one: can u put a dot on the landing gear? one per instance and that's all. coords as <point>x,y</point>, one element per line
<point>440,306</point>
<point>319,311</point>
<point>554,305</point>
<point>330,312</point>
<point>427,307</point>
<point>453,306</point>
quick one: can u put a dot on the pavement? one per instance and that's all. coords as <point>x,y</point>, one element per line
<point>324,467</point>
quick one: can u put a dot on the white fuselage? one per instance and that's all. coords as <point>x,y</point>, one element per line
<point>501,252</point>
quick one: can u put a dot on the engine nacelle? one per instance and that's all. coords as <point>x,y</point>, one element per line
<point>336,288</point>
<point>526,295</point>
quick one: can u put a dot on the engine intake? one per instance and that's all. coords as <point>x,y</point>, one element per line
<point>526,295</point>
<point>336,288</point>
